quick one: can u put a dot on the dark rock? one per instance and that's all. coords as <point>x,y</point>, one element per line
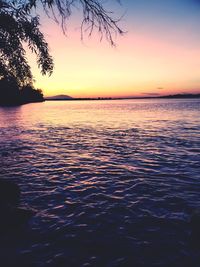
<point>195,228</point>
<point>9,193</point>
<point>195,221</point>
<point>14,217</point>
<point>10,214</point>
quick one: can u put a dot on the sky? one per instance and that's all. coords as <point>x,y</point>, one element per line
<point>159,53</point>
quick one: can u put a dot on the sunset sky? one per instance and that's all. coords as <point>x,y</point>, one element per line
<point>159,54</point>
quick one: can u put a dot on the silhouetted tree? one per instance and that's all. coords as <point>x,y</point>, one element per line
<point>29,94</point>
<point>18,26</point>
<point>94,15</point>
<point>9,91</point>
<point>11,94</point>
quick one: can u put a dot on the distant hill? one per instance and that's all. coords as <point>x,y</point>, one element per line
<point>59,97</point>
<point>181,96</point>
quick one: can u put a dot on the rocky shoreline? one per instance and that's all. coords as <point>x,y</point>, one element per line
<point>12,215</point>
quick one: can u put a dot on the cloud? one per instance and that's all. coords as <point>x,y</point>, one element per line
<point>160,88</point>
<point>151,94</point>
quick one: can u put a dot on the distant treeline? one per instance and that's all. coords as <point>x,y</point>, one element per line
<point>181,96</point>
<point>165,96</point>
<point>81,98</point>
<point>13,94</point>
<point>57,98</point>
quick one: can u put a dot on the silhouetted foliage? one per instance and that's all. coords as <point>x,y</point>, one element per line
<point>9,91</point>
<point>94,15</point>
<point>18,26</point>
<point>11,94</point>
<point>30,94</point>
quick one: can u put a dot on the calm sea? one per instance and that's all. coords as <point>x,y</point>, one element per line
<point>113,183</point>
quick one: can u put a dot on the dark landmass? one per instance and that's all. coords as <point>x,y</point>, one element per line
<point>181,96</point>
<point>59,97</point>
<point>166,96</point>
<point>66,97</point>
<point>12,216</point>
<point>11,94</point>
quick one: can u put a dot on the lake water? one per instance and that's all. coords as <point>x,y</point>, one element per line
<point>113,183</point>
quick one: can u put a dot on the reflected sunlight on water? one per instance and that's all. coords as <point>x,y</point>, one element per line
<point>114,183</point>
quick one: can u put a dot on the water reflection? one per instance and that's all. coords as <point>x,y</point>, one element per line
<point>10,116</point>
<point>114,183</point>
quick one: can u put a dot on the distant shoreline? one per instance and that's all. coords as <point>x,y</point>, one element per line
<point>177,96</point>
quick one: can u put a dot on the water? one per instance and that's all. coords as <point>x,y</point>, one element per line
<point>113,183</point>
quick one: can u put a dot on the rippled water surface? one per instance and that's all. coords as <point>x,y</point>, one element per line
<point>113,183</point>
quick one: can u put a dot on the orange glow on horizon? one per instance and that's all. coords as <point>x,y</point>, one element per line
<point>140,65</point>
